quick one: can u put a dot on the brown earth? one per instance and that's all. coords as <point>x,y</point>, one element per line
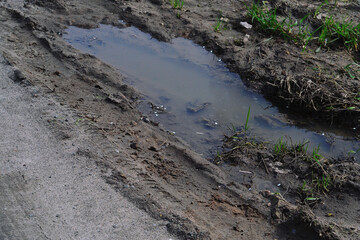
<point>197,199</point>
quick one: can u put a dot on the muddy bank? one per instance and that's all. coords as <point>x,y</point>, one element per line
<point>317,84</point>
<point>309,185</point>
<point>156,171</point>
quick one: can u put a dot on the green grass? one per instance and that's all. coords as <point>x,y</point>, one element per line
<point>310,192</point>
<point>302,148</point>
<point>220,25</point>
<point>247,120</point>
<point>330,32</point>
<point>177,3</point>
<point>353,70</point>
<point>352,153</point>
<point>317,11</point>
<point>319,181</point>
<point>267,21</point>
<point>312,165</point>
<point>280,148</point>
<point>236,133</point>
<point>345,32</point>
<point>316,156</point>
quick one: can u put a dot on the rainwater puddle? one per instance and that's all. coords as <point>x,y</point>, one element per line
<point>194,94</point>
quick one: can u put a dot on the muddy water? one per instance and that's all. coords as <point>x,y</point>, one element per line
<point>193,93</point>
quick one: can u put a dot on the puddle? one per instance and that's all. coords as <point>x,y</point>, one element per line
<point>194,94</point>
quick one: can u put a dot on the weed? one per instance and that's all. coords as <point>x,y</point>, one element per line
<point>304,186</point>
<point>318,185</point>
<point>353,70</point>
<point>352,153</point>
<point>317,11</point>
<point>218,159</point>
<point>247,120</point>
<point>345,32</point>
<point>312,199</point>
<point>329,32</point>
<point>316,156</point>
<point>319,181</point>
<point>267,21</point>
<point>280,147</point>
<point>233,128</point>
<point>236,134</point>
<point>307,192</point>
<point>302,147</point>
<point>325,182</point>
<point>177,3</point>
<point>220,25</point>
<point>77,122</point>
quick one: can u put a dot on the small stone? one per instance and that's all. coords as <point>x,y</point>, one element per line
<point>278,164</point>
<point>17,76</point>
<point>322,15</point>
<point>226,20</point>
<point>246,25</point>
<point>246,38</point>
<point>146,119</point>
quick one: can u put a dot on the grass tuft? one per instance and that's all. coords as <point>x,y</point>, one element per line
<point>330,32</point>
<point>220,25</point>
<point>280,148</point>
<point>177,3</point>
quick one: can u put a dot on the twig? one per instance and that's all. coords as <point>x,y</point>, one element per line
<point>267,170</point>
<point>286,191</point>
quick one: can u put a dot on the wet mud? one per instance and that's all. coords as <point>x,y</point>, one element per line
<point>198,198</point>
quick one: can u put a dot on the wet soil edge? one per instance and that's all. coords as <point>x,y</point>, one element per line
<point>289,97</point>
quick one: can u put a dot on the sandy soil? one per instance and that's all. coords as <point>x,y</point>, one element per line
<point>51,187</point>
<point>102,156</point>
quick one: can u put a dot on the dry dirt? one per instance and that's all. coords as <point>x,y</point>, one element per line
<point>51,188</point>
<point>153,170</point>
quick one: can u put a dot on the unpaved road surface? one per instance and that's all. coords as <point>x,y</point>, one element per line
<point>51,189</point>
<point>77,156</point>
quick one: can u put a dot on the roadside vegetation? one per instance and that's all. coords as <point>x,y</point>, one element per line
<point>331,91</point>
<point>316,176</point>
<point>329,33</point>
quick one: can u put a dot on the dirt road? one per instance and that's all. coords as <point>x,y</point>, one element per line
<point>80,162</point>
<point>50,187</point>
